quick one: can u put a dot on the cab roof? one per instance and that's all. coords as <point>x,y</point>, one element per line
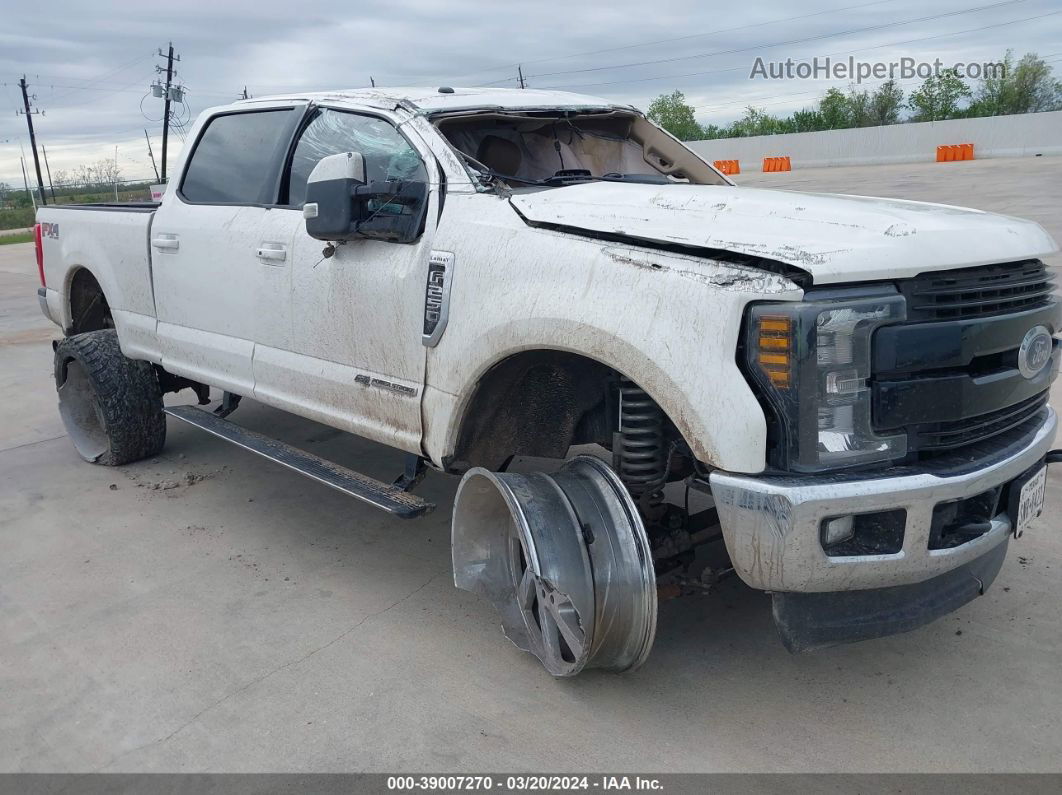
<point>431,100</point>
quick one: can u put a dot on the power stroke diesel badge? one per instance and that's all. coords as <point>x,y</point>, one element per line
<point>1035,351</point>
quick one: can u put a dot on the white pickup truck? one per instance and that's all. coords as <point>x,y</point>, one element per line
<point>854,388</point>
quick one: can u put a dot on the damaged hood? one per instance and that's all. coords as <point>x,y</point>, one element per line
<point>835,238</point>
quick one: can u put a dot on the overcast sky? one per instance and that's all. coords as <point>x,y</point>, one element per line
<point>90,64</point>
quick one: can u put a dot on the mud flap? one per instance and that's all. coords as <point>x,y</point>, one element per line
<point>808,621</point>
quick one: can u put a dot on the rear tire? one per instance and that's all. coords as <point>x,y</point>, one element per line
<point>111,405</point>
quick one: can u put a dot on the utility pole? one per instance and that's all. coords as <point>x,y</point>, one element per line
<point>167,94</point>
<point>151,155</point>
<point>372,81</point>
<point>520,74</point>
<point>245,95</point>
<point>48,171</point>
<point>33,138</point>
<point>25,181</point>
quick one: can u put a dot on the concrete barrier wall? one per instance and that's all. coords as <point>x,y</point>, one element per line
<point>1024,135</point>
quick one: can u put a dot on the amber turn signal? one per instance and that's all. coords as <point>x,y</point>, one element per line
<point>775,348</point>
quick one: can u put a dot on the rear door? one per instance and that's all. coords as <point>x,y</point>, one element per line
<point>220,257</point>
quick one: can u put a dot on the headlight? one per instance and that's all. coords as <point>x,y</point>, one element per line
<point>812,361</point>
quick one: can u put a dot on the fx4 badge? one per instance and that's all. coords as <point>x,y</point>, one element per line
<point>50,230</point>
<point>437,296</point>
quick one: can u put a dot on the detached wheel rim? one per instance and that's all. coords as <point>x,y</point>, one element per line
<point>564,559</point>
<point>552,582</point>
<point>81,413</point>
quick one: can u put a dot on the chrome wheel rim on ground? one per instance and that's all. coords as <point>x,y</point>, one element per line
<point>564,559</point>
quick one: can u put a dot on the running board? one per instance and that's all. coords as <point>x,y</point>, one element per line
<point>361,487</point>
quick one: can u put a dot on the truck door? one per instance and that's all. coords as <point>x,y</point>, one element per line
<point>221,262</point>
<point>356,358</point>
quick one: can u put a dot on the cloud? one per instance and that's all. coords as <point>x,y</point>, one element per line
<point>91,65</point>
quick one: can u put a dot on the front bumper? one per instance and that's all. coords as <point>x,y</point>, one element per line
<point>809,621</point>
<point>771,523</point>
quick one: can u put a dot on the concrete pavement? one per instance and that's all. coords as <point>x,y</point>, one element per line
<point>209,611</point>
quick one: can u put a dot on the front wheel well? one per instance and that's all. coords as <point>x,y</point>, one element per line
<point>542,402</point>
<point>89,310</point>
<point>535,403</point>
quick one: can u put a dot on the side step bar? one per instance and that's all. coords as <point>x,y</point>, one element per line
<point>361,487</point>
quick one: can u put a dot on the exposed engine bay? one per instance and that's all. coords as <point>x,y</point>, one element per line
<point>556,149</point>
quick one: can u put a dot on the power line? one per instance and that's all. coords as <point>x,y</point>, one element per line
<point>666,41</point>
<point>818,37</point>
<point>128,87</point>
<point>82,88</point>
<point>847,52</point>
<point>100,77</point>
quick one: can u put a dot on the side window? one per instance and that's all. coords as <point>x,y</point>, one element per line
<point>235,159</point>
<point>387,154</point>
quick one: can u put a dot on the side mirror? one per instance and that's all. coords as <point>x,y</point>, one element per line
<point>340,205</point>
<point>329,211</point>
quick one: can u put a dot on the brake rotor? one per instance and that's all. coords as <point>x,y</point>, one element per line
<point>565,560</point>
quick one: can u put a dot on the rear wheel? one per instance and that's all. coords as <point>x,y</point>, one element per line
<point>111,405</point>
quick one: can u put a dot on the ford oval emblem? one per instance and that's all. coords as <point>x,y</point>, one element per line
<point>1035,351</point>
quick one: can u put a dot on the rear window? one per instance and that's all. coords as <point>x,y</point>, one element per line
<point>235,161</point>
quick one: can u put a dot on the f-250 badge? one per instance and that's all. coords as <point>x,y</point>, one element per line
<point>437,296</point>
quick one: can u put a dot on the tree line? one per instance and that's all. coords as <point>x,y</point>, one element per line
<point>1023,86</point>
<point>84,183</point>
<point>96,176</point>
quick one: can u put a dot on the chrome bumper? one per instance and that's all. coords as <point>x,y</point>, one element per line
<point>42,299</point>
<point>771,524</point>
<point>51,303</point>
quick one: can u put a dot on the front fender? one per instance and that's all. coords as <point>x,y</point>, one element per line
<point>669,322</point>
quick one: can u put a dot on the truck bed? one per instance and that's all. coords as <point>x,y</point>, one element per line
<point>112,245</point>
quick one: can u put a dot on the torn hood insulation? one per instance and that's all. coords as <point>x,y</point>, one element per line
<point>835,238</point>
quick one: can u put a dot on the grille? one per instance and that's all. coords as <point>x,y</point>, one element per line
<point>977,292</point>
<point>956,433</point>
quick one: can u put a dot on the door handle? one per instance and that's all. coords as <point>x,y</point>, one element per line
<point>167,242</point>
<point>273,252</point>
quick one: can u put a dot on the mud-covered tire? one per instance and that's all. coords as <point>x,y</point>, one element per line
<point>111,405</point>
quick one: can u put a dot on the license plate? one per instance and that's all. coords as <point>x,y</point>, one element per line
<point>1030,500</point>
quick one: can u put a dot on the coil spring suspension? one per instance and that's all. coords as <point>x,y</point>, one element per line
<point>640,453</point>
